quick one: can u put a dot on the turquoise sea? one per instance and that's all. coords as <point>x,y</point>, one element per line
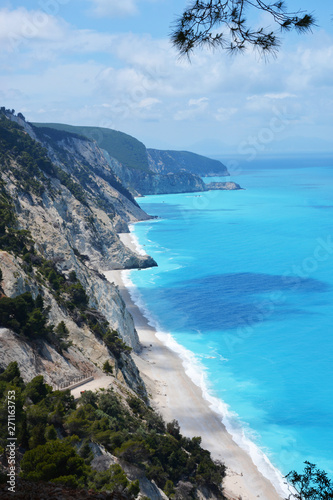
<point>245,283</point>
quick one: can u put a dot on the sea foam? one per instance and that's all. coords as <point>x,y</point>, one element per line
<point>196,371</point>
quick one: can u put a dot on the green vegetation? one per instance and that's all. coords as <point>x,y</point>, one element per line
<point>70,294</point>
<point>29,156</point>
<point>225,25</point>
<point>28,162</point>
<point>126,149</point>
<point>56,461</point>
<point>313,484</point>
<point>107,368</point>
<point>62,333</point>
<point>24,315</point>
<point>28,316</point>
<point>115,344</point>
<point>57,433</point>
<point>12,239</point>
<point>81,169</point>
<point>177,161</point>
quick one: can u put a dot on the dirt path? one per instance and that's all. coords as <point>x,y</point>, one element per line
<point>98,383</point>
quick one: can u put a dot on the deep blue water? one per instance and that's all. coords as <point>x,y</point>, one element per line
<point>245,282</point>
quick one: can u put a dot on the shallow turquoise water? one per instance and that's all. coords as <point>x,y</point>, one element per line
<point>245,282</point>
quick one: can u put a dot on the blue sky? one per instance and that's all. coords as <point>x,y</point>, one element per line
<point>109,63</point>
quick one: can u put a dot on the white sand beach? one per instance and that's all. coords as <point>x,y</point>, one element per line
<point>175,396</point>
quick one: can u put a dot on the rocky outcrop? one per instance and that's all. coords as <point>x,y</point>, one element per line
<point>88,353</point>
<point>142,183</point>
<point>42,358</point>
<point>102,461</point>
<point>222,186</point>
<point>142,171</point>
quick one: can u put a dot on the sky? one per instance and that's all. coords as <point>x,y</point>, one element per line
<point>110,63</point>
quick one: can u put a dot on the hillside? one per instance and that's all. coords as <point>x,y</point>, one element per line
<point>59,229</point>
<point>130,152</point>
<point>178,161</point>
<point>108,441</point>
<point>145,171</point>
<point>61,209</point>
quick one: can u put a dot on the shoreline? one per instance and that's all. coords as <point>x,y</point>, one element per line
<point>176,396</point>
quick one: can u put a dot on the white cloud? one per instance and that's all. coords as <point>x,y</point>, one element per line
<point>196,107</point>
<point>139,78</point>
<point>148,103</point>
<point>114,8</point>
<point>282,95</point>
<point>20,25</point>
<point>202,101</point>
<point>224,114</point>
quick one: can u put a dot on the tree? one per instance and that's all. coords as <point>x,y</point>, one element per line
<point>21,315</point>
<point>173,428</point>
<point>36,389</point>
<point>89,398</point>
<point>202,23</point>
<point>55,459</point>
<point>12,373</point>
<point>107,368</point>
<point>115,344</point>
<point>313,484</point>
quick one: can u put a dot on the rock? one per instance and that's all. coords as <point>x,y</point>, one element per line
<point>222,186</point>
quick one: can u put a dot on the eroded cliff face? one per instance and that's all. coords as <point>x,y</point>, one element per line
<point>161,181</point>
<point>87,354</point>
<point>141,183</point>
<point>178,161</point>
<point>74,234</point>
<point>142,171</point>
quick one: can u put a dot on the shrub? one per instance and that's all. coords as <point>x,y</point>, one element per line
<point>107,368</point>
<point>70,481</point>
<point>12,374</point>
<point>137,405</point>
<point>134,488</point>
<point>113,479</point>
<point>89,398</point>
<point>173,428</point>
<point>36,390</point>
<point>55,459</point>
<point>50,433</point>
<point>61,336</point>
<point>78,296</point>
<point>21,315</point>
<point>169,488</point>
<point>133,451</point>
<point>109,403</point>
<point>115,344</point>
